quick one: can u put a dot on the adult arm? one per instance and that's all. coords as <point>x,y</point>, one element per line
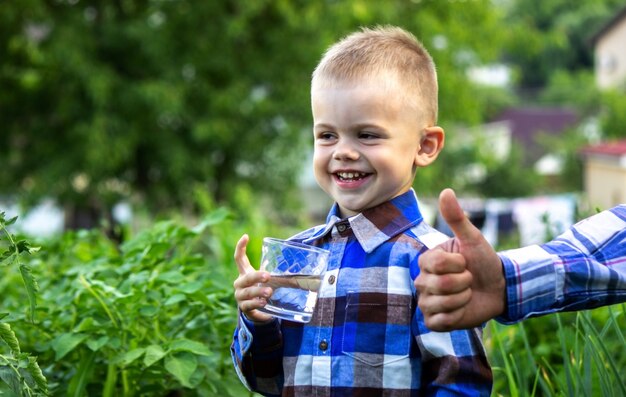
<point>462,282</point>
<point>583,268</point>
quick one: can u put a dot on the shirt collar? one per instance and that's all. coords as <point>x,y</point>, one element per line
<point>376,225</point>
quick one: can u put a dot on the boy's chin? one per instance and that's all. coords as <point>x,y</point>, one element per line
<point>351,210</point>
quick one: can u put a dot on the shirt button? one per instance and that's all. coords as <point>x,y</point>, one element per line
<point>323,345</point>
<point>341,228</point>
<point>331,279</point>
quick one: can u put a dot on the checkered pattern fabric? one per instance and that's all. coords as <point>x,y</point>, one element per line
<point>367,336</point>
<point>583,268</point>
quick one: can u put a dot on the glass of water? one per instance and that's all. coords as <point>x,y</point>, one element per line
<point>296,272</point>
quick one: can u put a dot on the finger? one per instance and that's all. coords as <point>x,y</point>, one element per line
<point>447,284</point>
<point>445,322</point>
<point>455,217</point>
<point>252,292</point>
<point>252,278</point>
<point>431,304</point>
<point>241,259</point>
<point>439,261</point>
<point>252,304</point>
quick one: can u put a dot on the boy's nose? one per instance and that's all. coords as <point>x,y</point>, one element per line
<point>345,151</point>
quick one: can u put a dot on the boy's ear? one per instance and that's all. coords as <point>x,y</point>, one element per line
<point>431,143</point>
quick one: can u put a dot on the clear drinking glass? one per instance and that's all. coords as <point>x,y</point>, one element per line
<point>296,272</point>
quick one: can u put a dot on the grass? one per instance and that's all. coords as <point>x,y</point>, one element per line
<point>566,354</point>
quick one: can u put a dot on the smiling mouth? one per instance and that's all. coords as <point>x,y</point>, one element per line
<point>350,176</point>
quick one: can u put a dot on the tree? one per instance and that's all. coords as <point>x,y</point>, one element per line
<point>548,36</point>
<point>147,100</point>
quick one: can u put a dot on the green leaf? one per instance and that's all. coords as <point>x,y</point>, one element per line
<point>8,336</point>
<point>182,366</point>
<point>175,299</point>
<point>24,246</point>
<point>190,288</point>
<point>212,219</point>
<point>172,277</point>
<point>190,346</point>
<point>65,343</point>
<point>148,311</point>
<point>108,288</point>
<point>85,325</point>
<point>31,289</point>
<point>35,372</point>
<point>157,250</point>
<point>200,297</point>
<point>153,354</point>
<point>8,257</point>
<point>130,356</point>
<point>96,344</point>
<point>12,380</point>
<point>10,221</point>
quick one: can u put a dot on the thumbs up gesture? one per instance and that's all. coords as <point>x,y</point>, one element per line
<point>461,282</point>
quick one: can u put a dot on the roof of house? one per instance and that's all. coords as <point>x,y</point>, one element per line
<point>619,15</point>
<point>528,123</point>
<point>609,148</point>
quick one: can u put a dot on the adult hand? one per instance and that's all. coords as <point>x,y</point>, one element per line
<point>461,282</point>
<point>249,295</point>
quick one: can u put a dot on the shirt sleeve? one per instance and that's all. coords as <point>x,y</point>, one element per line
<point>257,353</point>
<point>583,268</point>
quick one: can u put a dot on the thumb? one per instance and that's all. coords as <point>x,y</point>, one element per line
<point>243,263</point>
<point>454,216</point>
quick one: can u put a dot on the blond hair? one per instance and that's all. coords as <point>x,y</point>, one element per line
<point>377,54</point>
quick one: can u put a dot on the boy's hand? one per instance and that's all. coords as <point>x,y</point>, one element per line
<point>248,293</point>
<point>461,282</point>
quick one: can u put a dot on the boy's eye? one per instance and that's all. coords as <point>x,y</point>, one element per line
<point>367,135</point>
<point>325,135</point>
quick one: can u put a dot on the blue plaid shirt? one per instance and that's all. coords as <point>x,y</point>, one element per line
<point>366,337</point>
<point>583,268</point>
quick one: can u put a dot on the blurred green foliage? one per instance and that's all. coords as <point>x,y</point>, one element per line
<point>552,36</point>
<point>151,316</point>
<point>144,100</point>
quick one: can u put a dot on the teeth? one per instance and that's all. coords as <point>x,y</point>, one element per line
<point>351,175</point>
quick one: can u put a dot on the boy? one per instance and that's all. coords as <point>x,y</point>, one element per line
<point>374,102</point>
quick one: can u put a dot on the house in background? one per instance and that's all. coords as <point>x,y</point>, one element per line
<point>605,173</point>
<point>523,128</point>
<point>610,52</point>
<point>528,125</point>
<point>605,162</point>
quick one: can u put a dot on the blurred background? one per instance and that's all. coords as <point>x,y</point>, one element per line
<point>119,115</point>
<point>122,110</point>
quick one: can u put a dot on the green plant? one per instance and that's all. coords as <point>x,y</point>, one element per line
<point>151,316</point>
<point>574,354</point>
<point>18,370</point>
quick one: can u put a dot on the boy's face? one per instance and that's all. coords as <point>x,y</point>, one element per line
<point>368,144</point>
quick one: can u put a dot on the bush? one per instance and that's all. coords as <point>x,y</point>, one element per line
<point>18,370</point>
<point>152,316</point>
